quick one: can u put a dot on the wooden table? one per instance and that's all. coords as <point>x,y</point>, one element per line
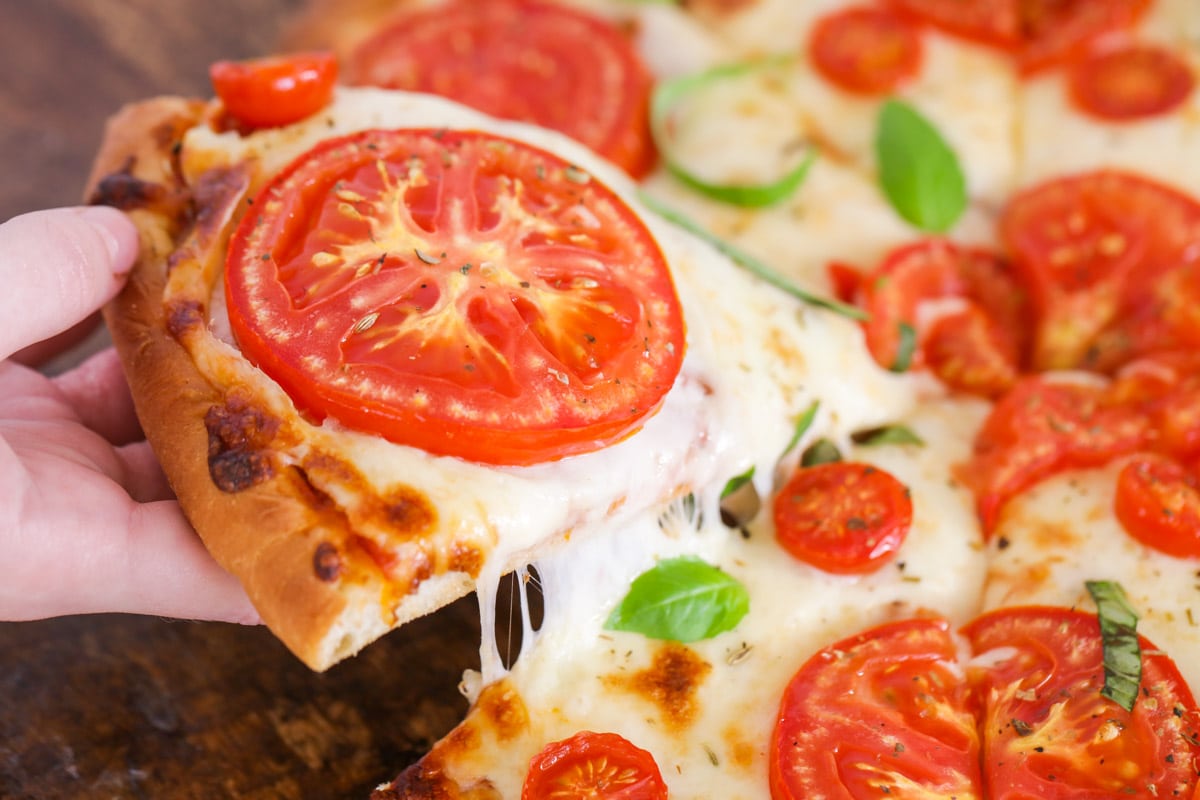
<point>116,706</point>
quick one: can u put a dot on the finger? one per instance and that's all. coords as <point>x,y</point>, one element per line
<point>142,476</point>
<point>38,353</point>
<point>57,267</point>
<point>97,393</point>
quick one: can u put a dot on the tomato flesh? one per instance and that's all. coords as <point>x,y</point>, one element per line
<point>524,60</point>
<point>842,517</point>
<point>275,91</point>
<point>865,50</point>
<point>1131,82</point>
<point>593,766</point>
<point>883,713</point>
<point>1158,504</point>
<point>1047,730</point>
<point>461,293</point>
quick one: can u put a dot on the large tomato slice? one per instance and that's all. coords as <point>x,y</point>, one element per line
<point>593,766</point>
<point>842,517</point>
<point>978,346</point>
<point>465,294</point>
<point>520,59</point>
<point>880,714</point>
<point>1100,254</point>
<point>1038,33</point>
<point>1047,730</point>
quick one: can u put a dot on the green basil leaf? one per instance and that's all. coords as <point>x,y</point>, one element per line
<point>737,482</point>
<point>803,423</point>
<point>681,599</point>
<point>919,172</point>
<point>905,349</point>
<point>822,451</point>
<point>669,93</point>
<point>889,434</point>
<point>1118,634</point>
<point>749,262</point>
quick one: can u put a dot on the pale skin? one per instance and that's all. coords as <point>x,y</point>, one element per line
<point>87,520</point>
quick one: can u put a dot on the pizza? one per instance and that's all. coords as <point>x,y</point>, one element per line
<point>809,389</point>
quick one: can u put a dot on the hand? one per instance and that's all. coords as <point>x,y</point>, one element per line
<point>87,521</point>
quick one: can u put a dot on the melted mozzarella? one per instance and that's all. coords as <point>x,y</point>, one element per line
<point>1063,532</point>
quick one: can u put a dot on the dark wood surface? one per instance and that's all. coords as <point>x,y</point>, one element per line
<point>134,707</point>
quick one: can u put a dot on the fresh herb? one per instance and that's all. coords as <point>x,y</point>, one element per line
<point>740,502</point>
<point>749,262</point>
<point>919,172</point>
<point>668,95</point>
<point>905,348</point>
<point>803,423</point>
<point>822,451</point>
<point>1118,633</point>
<point>737,482</point>
<point>681,599</point>
<point>888,434</point>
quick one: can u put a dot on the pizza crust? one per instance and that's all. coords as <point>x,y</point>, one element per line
<point>298,558</point>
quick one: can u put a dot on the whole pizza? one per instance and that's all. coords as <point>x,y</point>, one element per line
<point>823,378</point>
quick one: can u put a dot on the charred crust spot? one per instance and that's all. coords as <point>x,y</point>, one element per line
<point>424,780</point>
<point>238,438</point>
<point>121,189</point>
<point>184,316</point>
<point>214,191</point>
<point>670,683</point>
<point>327,562</point>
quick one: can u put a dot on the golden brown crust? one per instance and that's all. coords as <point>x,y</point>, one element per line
<point>297,555</point>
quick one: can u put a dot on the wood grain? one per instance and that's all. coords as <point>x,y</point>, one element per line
<point>112,706</point>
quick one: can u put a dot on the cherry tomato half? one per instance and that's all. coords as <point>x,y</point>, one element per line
<point>275,91</point>
<point>842,517</point>
<point>593,766</point>
<point>1158,504</point>
<point>865,50</point>
<point>537,62</point>
<point>461,293</point>
<point>1130,82</point>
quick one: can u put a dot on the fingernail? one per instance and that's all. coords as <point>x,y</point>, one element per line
<point>116,231</point>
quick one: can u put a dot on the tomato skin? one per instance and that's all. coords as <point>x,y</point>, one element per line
<point>990,310</point>
<point>275,91</point>
<point>882,712</point>
<point>1130,82</point>
<point>1093,251</point>
<point>523,60</point>
<point>593,766</point>
<point>1048,732</point>
<point>1158,503</point>
<point>842,517</point>
<point>865,50</point>
<point>392,280</point>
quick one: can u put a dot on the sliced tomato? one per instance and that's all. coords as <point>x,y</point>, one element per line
<point>275,91</point>
<point>843,517</point>
<point>1040,428</point>
<point>1165,386</point>
<point>593,766</point>
<point>1130,82</point>
<point>461,293</point>
<point>1093,250</point>
<point>866,50</point>
<point>989,306</point>
<point>1038,33</point>
<point>1158,504</point>
<point>846,280</point>
<point>1047,730</point>
<point>880,714</point>
<point>536,62</point>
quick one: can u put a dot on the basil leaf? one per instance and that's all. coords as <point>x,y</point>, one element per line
<point>822,451</point>
<point>681,599</point>
<point>737,482</point>
<point>905,349</point>
<point>669,93</point>
<point>919,172</point>
<point>889,434</point>
<point>1122,651</point>
<point>749,262</point>
<point>803,423</point>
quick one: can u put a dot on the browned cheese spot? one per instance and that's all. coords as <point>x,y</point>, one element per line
<point>501,708</point>
<point>327,562</point>
<point>184,316</point>
<point>239,436</point>
<point>427,780</point>
<point>466,558</point>
<point>669,683</point>
<point>408,512</point>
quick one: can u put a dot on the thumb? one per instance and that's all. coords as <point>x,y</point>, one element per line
<point>57,267</point>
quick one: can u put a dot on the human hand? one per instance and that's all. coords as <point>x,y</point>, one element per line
<point>87,520</point>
